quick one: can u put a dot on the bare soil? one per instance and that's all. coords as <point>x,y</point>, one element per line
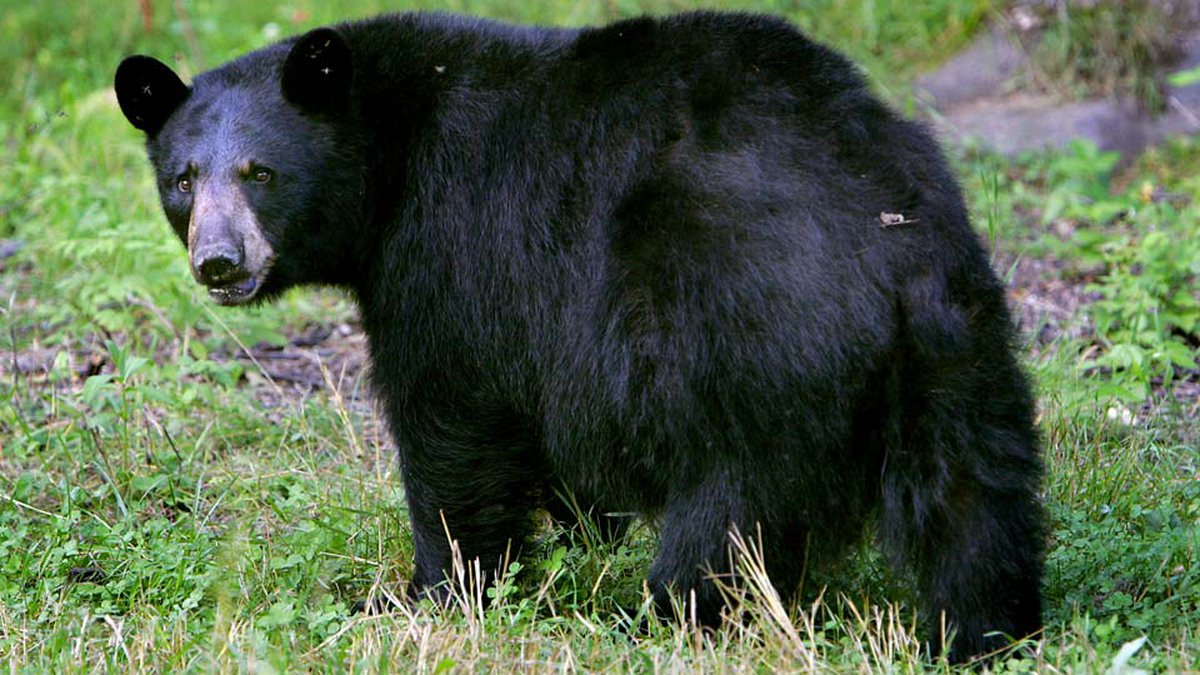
<point>1048,298</point>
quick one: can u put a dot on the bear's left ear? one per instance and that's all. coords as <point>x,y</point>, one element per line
<point>318,71</point>
<point>148,91</point>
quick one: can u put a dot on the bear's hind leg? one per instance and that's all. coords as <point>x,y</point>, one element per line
<point>961,509</point>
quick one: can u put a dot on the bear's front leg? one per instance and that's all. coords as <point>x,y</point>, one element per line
<point>474,481</point>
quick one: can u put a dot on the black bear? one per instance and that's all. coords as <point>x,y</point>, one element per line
<point>687,267</point>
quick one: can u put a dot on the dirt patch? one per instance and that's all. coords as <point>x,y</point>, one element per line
<point>326,360</point>
<point>1046,300</point>
<point>1048,297</point>
<point>319,357</point>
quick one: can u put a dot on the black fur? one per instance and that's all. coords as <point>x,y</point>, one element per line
<point>646,262</point>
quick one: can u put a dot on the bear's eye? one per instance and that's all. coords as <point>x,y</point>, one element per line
<point>262,176</point>
<point>184,184</point>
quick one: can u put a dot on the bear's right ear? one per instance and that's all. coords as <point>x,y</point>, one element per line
<point>148,91</point>
<point>318,71</point>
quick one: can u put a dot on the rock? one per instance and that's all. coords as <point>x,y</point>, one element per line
<point>988,66</point>
<point>977,96</point>
<point>1183,103</point>
<point>1021,122</point>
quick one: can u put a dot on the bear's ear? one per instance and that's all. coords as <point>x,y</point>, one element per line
<point>318,71</point>
<point>148,91</point>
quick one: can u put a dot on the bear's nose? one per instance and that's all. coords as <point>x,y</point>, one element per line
<point>219,264</point>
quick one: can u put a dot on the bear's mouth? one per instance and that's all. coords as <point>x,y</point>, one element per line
<point>236,293</point>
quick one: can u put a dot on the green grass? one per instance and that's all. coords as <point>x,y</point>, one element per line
<point>164,506</point>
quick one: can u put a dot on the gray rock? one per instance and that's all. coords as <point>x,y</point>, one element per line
<point>975,97</point>
<point>1022,122</point>
<point>985,68</point>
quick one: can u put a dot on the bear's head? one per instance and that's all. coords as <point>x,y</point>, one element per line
<point>244,159</point>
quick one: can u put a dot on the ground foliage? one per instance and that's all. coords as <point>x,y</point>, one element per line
<point>187,488</point>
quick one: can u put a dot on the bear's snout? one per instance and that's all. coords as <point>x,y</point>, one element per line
<point>228,252</point>
<point>220,263</point>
